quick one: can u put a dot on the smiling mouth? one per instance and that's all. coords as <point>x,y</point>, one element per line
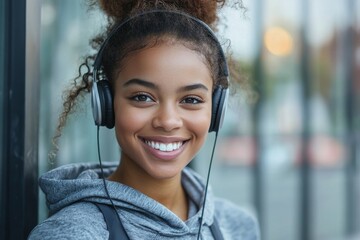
<point>164,147</point>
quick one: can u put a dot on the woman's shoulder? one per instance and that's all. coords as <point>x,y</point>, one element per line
<point>80,220</point>
<point>236,221</point>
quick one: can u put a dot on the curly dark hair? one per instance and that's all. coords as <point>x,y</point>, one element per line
<point>143,32</point>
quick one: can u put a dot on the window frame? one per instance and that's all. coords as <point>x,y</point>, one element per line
<point>20,85</point>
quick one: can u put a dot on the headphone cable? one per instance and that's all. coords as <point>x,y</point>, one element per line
<point>207,185</point>
<point>103,175</point>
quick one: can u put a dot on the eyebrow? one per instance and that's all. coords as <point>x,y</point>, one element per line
<point>136,81</point>
<point>193,87</point>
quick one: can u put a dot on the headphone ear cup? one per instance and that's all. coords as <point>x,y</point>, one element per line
<point>219,98</point>
<point>102,104</point>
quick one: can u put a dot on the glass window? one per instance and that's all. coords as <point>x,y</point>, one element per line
<point>65,32</point>
<point>328,151</point>
<point>281,121</point>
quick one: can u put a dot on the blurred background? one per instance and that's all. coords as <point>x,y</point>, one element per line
<point>289,155</point>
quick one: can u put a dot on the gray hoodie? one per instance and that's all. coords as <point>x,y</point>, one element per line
<point>72,189</point>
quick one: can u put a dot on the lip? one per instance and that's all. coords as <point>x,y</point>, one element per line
<point>164,155</point>
<point>164,139</point>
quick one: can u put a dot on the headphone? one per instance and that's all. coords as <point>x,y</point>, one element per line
<point>101,93</point>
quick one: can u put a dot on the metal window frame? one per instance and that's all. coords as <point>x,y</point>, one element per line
<point>19,160</point>
<point>351,113</point>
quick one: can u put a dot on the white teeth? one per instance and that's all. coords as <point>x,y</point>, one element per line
<point>163,146</point>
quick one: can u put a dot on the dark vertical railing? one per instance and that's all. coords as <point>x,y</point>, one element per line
<point>351,110</point>
<point>19,191</point>
<point>2,77</point>
<point>259,86</point>
<point>305,176</point>
<point>14,115</point>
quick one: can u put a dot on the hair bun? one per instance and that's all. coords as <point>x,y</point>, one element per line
<point>205,10</point>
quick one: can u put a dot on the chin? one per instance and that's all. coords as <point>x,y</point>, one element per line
<point>165,172</point>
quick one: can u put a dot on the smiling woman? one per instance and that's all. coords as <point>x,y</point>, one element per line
<point>160,77</point>
<point>172,106</point>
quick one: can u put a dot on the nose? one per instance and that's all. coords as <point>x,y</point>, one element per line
<point>167,118</point>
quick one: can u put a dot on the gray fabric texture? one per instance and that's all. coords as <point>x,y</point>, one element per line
<point>72,189</point>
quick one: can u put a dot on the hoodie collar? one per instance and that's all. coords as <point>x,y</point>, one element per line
<point>81,182</point>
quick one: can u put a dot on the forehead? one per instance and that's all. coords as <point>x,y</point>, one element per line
<point>167,63</point>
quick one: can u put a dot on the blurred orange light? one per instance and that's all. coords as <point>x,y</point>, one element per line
<point>278,41</point>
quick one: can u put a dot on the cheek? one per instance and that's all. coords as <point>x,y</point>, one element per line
<point>127,119</point>
<point>127,122</point>
<point>199,123</point>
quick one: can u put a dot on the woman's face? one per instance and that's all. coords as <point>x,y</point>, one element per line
<point>162,103</point>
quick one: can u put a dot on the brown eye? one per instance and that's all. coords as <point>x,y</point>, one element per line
<point>191,100</point>
<point>142,98</point>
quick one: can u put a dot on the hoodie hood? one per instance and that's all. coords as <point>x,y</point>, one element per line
<point>72,183</point>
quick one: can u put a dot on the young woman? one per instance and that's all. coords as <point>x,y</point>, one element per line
<point>160,78</point>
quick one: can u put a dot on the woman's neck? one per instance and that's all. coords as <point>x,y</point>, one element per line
<point>168,192</point>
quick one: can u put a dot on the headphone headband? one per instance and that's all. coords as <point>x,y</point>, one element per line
<point>98,59</point>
